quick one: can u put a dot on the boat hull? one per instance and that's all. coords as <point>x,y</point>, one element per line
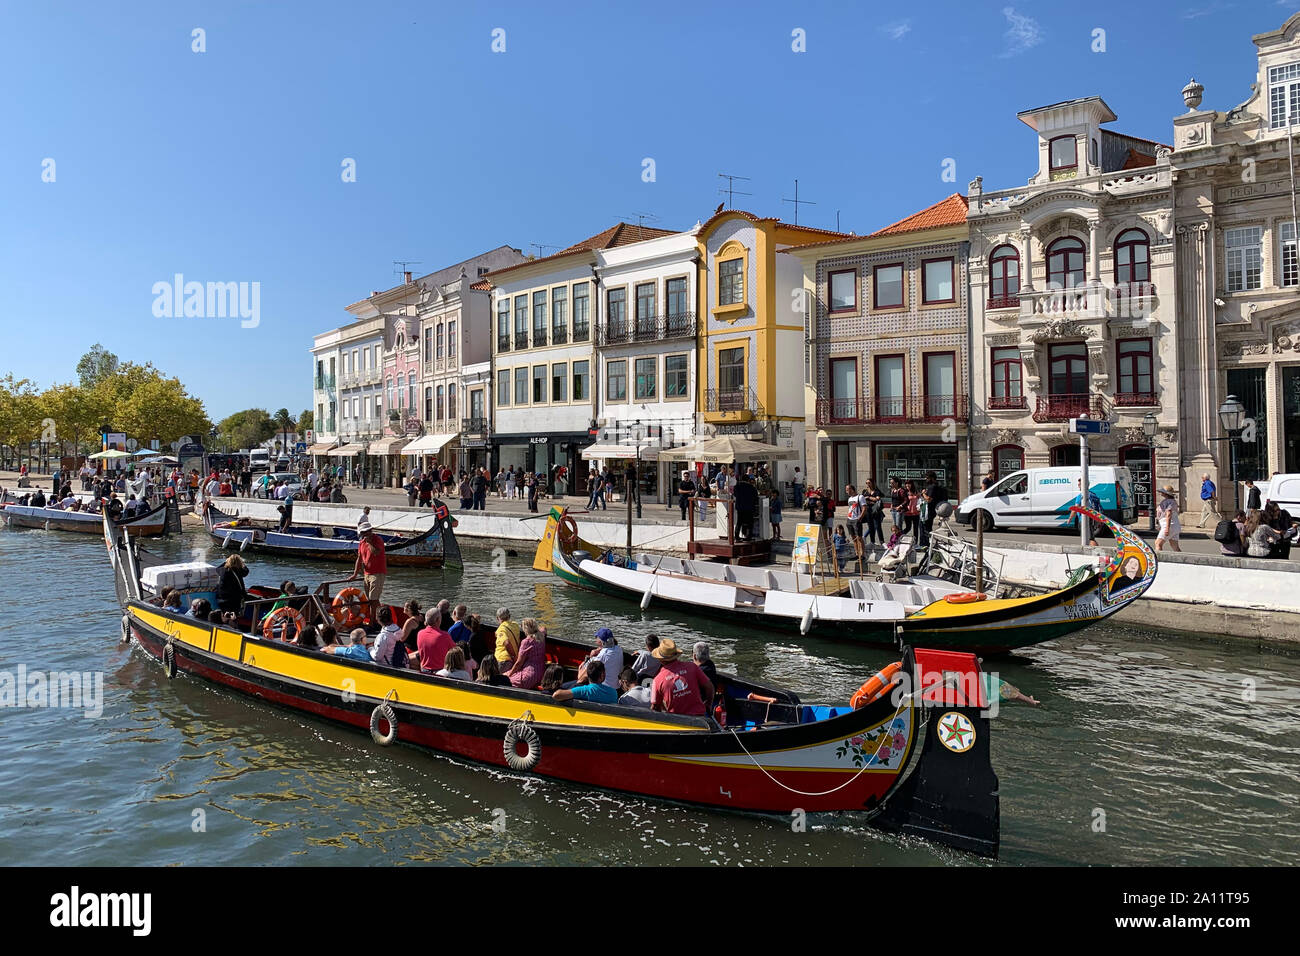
<point>151,524</point>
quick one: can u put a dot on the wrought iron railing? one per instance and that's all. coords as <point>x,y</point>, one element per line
<point>1059,408</point>
<point>732,400</point>
<point>503,343</point>
<point>581,331</point>
<point>1135,399</point>
<point>1004,302</point>
<point>539,336</point>
<point>559,335</point>
<point>474,426</point>
<point>521,340</point>
<point>891,409</point>
<point>1007,401</point>
<point>650,328</point>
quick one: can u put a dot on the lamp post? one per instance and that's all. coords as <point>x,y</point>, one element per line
<point>1232,416</point>
<point>1149,426</point>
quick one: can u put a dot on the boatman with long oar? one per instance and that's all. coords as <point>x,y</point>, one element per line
<point>372,562</point>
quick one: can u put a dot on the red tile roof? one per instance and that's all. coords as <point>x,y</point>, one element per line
<point>482,285</point>
<point>783,225</point>
<point>620,234</point>
<point>946,212</point>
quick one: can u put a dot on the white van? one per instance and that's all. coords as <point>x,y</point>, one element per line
<point>1041,498</point>
<point>1285,490</point>
<point>259,459</point>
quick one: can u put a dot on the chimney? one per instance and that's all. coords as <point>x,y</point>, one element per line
<point>407,277</point>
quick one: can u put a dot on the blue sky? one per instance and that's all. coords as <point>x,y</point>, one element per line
<point>225,165</point>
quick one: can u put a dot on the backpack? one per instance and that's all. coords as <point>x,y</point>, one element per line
<point>1225,532</point>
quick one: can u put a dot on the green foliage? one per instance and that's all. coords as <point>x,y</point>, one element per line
<point>245,429</point>
<point>96,365</point>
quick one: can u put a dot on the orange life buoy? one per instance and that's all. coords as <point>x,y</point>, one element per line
<point>875,688</point>
<point>346,608</point>
<point>966,597</point>
<point>295,618</point>
<point>567,531</point>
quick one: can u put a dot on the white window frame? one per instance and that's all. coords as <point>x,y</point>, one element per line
<point>1283,86</point>
<point>1288,262</point>
<point>1243,249</point>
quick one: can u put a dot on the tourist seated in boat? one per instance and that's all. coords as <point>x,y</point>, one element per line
<point>700,655</point>
<point>454,666</point>
<point>591,685</point>
<point>388,648</point>
<point>507,646</point>
<point>287,590</point>
<point>552,679</point>
<point>231,592</point>
<point>459,629</point>
<point>200,609</point>
<point>445,618</point>
<point>471,664</point>
<point>329,637</point>
<point>490,673</point>
<point>132,507</point>
<point>68,503</point>
<point>114,506</point>
<point>160,599</point>
<point>530,663</point>
<point>38,499</point>
<point>354,650</point>
<point>432,643</point>
<point>609,654</point>
<point>680,687</point>
<point>645,664</point>
<point>411,626</point>
<point>631,692</point>
<point>173,602</point>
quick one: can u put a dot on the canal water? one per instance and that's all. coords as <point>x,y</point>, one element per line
<point>1149,748</point>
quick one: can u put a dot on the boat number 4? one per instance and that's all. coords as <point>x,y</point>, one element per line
<point>725,793</point>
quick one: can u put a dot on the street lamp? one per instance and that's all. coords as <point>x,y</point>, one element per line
<point>1232,416</point>
<point>1149,426</point>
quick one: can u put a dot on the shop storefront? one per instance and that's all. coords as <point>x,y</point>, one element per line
<point>545,453</point>
<point>912,461</point>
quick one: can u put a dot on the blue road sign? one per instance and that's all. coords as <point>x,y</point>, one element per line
<point>1089,426</point>
<point>300,447</point>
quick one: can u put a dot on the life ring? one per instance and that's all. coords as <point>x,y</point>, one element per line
<point>169,660</point>
<point>346,608</point>
<point>966,597</point>
<point>384,712</point>
<point>875,688</point>
<point>517,731</point>
<point>293,614</point>
<point>567,531</point>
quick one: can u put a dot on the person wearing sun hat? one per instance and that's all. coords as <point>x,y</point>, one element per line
<point>372,561</point>
<point>680,687</point>
<point>1167,523</point>
<point>610,654</point>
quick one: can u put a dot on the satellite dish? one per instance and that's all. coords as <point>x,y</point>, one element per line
<point>132,444</point>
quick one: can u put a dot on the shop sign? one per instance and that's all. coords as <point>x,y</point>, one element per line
<point>538,439</point>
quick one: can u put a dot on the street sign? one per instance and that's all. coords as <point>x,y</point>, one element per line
<point>300,447</point>
<point>1089,426</point>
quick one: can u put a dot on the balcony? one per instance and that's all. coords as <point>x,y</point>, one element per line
<point>539,337</point>
<point>732,405</point>
<point>1135,399</point>
<point>1127,300</point>
<point>371,376</point>
<point>582,332</point>
<point>913,409</point>
<point>521,340</point>
<point>1060,408</point>
<point>325,383</point>
<point>559,335</point>
<point>474,426</point>
<point>1005,302</point>
<point>653,328</point>
<point>349,380</point>
<point>1003,402</point>
<point>503,343</point>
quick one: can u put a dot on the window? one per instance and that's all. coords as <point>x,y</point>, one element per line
<point>521,318</point>
<point>940,380</point>
<point>560,382</point>
<point>476,405</point>
<point>428,404</point>
<point>539,384</point>
<point>1064,152</point>
<point>503,325</point>
<point>1067,369</point>
<point>440,403</point>
<point>616,312</point>
<point>438,351</point>
<point>844,388</point>
<point>410,391</point>
<point>1004,277</point>
<point>345,408</point>
<point>616,381</point>
<point>503,388</point>
<point>451,400</point>
<point>1134,361</point>
<point>676,291</point>
<point>1132,257</point>
<point>645,310</point>
<point>581,385</point>
<point>844,290</point>
<point>890,383</point>
<point>887,282</point>
<point>675,374</point>
<point>1006,379</point>
<point>521,386</point>
<point>581,313</point>
<point>936,281</point>
<point>731,373</point>
<point>392,398</point>
<point>1092,152</point>
<point>560,313</point>
<point>451,341</point>
<point>428,353</point>
<point>1290,270</point>
<point>1244,257</point>
<point>356,408</point>
<point>379,406</point>
<point>1283,93</point>
<point>1065,263</point>
<point>647,384</point>
<point>731,282</point>
<point>539,318</point>
<point>1009,458</point>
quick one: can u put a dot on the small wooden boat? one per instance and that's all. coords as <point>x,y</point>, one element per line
<point>253,526</point>
<point>921,610</point>
<point>915,761</point>
<point>152,523</point>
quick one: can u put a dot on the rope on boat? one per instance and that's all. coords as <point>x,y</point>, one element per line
<point>823,793</point>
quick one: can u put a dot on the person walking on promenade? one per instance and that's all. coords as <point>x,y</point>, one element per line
<point>1209,501</point>
<point>1253,502</point>
<point>1167,523</point>
<point>685,489</point>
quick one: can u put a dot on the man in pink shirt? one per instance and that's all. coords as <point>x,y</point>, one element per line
<point>680,687</point>
<point>433,642</point>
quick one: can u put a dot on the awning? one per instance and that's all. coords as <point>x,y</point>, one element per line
<point>428,444</point>
<point>320,448</point>
<point>603,451</point>
<point>347,451</point>
<point>386,446</point>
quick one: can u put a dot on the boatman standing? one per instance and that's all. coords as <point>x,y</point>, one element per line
<point>372,562</point>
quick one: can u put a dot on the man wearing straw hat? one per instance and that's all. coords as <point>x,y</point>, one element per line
<point>1167,519</point>
<point>680,687</point>
<point>371,561</point>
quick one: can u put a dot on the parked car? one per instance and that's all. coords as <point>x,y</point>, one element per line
<point>262,483</point>
<point>1041,498</point>
<point>1285,490</point>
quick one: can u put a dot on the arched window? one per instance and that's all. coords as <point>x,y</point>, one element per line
<point>438,339</point>
<point>410,389</point>
<point>428,404</point>
<point>392,398</point>
<point>1065,263</point>
<point>1007,460</point>
<point>1132,257</point>
<point>1004,277</point>
<point>440,394</point>
<point>451,400</point>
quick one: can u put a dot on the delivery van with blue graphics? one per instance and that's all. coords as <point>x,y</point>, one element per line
<point>1041,498</point>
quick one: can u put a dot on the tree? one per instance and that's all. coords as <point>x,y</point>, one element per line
<point>306,422</point>
<point>96,365</point>
<point>20,414</point>
<point>283,419</point>
<point>160,408</point>
<point>75,414</point>
<point>246,429</point>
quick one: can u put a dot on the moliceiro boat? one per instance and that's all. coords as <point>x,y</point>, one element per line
<point>918,609</point>
<point>911,757</point>
<point>327,532</point>
<point>153,523</point>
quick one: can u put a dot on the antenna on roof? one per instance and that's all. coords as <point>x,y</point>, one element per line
<point>798,202</point>
<point>541,247</point>
<point>402,265</point>
<point>641,218</point>
<point>730,189</point>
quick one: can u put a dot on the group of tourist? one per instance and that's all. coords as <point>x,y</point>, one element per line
<point>912,510</point>
<point>1267,532</point>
